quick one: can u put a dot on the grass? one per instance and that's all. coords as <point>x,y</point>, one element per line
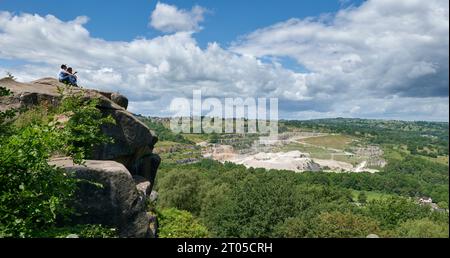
<point>319,153</point>
<point>371,196</point>
<point>330,141</point>
<point>394,152</point>
<point>183,151</point>
<point>167,144</point>
<point>352,160</point>
<point>441,159</point>
<point>315,152</point>
<point>176,156</point>
<point>35,115</point>
<point>197,138</point>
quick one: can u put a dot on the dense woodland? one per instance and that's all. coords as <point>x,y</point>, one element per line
<point>232,201</point>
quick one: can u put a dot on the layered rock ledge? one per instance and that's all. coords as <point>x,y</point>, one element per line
<point>125,168</point>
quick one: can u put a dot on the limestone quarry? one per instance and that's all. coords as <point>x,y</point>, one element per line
<point>269,157</point>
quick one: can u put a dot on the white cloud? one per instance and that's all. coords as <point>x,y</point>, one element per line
<point>371,61</point>
<point>381,47</point>
<point>146,70</point>
<point>168,18</point>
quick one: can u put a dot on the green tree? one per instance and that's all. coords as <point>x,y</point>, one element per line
<point>164,133</point>
<point>82,132</point>
<point>343,225</point>
<point>395,210</point>
<point>33,193</point>
<point>293,228</point>
<point>181,190</point>
<point>443,205</point>
<point>214,137</point>
<point>422,228</point>
<point>362,197</point>
<point>174,223</point>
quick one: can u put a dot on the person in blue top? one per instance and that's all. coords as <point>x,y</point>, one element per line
<point>66,76</point>
<point>63,75</point>
<point>72,76</point>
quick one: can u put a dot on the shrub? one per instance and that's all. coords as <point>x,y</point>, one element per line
<point>35,195</point>
<point>293,228</point>
<point>174,223</point>
<point>80,231</point>
<point>422,228</point>
<point>344,225</point>
<point>5,115</point>
<point>395,210</point>
<point>82,132</point>
<point>181,190</point>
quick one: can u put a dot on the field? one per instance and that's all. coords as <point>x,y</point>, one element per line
<point>441,159</point>
<point>371,196</point>
<point>196,138</point>
<point>173,152</point>
<point>331,141</point>
<point>315,152</point>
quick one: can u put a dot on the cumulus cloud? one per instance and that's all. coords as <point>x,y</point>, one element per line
<point>383,59</point>
<point>168,18</point>
<point>146,70</point>
<point>380,48</point>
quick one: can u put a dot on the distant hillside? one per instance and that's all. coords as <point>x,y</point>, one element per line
<point>423,138</point>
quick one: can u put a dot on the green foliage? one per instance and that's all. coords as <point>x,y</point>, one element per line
<point>80,231</point>
<point>421,138</point>
<point>232,201</point>
<point>174,223</point>
<point>35,196</point>
<point>393,211</point>
<point>235,202</point>
<point>163,133</point>
<point>33,193</point>
<point>295,227</point>
<point>343,225</point>
<point>423,228</point>
<point>39,115</point>
<point>443,205</point>
<point>83,129</point>
<point>6,115</point>
<point>362,198</point>
<point>412,176</point>
<point>182,189</point>
<point>213,138</point>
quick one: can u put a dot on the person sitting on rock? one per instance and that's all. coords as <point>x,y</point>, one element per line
<point>72,77</point>
<point>67,76</point>
<point>64,75</point>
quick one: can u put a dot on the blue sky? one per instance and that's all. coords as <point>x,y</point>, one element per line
<point>226,20</point>
<point>378,59</point>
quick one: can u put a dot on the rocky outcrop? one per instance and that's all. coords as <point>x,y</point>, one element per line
<point>130,154</point>
<point>107,195</point>
<point>133,141</point>
<point>119,100</point>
